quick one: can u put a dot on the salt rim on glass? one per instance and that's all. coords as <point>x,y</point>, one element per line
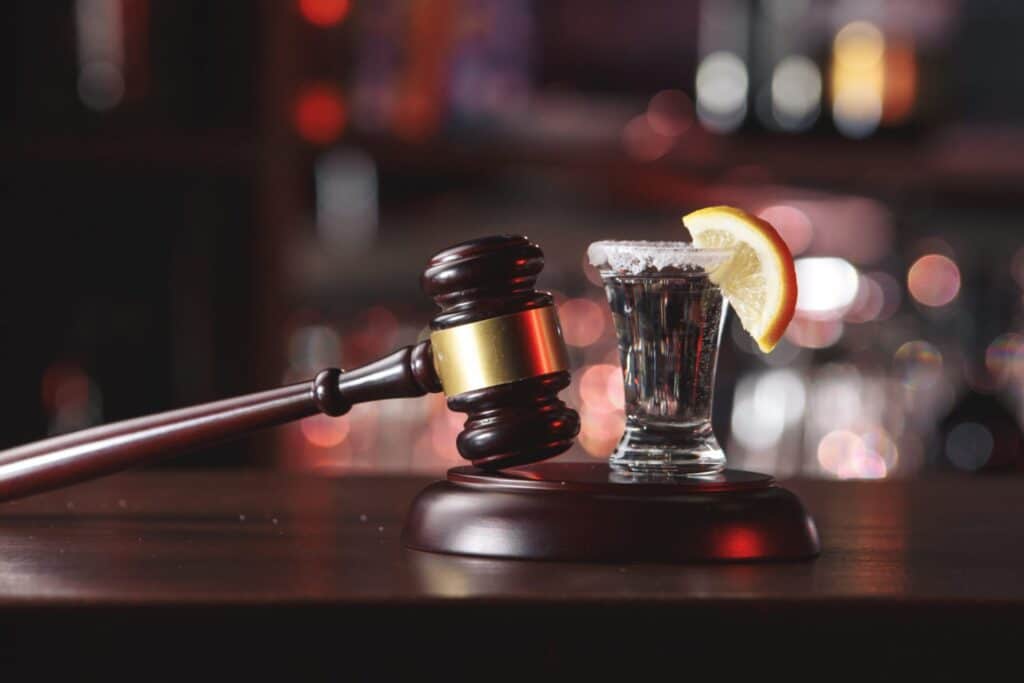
<point>638,257</point>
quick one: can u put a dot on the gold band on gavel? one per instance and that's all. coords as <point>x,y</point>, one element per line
<point>499,350</point>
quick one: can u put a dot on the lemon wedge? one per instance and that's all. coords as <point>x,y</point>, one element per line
<point>759,280</point>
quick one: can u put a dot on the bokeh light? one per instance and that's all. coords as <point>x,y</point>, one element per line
<point>324,13</point>
<point>869,304</point>
<point>582,321</point>
<point>933,280</point>
<point>835,448</point>
<point>670,113</point>
<point>835,397</point>
<point>765,405</point>
<point>642,142</point>
<point>101,85</point>
<point>809,333</point>
<point>969,446</point>
<point>599,432</point>
<point>312,347</point>
<point>792,224</point>
<point>601,388</point>
<point>900,93</point>
<point>892,294</point>
<point>862,464</point>
<point>722,87</point>
<point>319,113</point>
<point>100,29</point>
<point>602,419</point>
<point>347,198</point>
<point>878,441</point>
<point>796,92</point>
<point>848,455</point>
<point>857,229</point>
<point>917,364</point>
<point>826,287</point>
<point>324,431</point>
<point>1004,357</point>
<point>755,424</point>
<point>858,79</point>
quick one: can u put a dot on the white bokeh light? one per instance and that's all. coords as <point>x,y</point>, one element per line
<point>722,87</point>
<point>765,406</point>
<point>796,92</point>
<point>827,287</point>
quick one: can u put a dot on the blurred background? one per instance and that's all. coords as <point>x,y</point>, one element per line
<point>202,199</point>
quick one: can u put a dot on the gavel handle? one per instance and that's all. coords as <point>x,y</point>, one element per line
<point>71,458</point>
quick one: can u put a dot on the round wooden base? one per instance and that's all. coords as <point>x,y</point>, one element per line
<point>590,512</point>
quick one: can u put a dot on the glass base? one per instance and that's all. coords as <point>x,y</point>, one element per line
<point>675,449</point>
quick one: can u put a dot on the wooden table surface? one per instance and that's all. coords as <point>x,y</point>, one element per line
<point>223,550</point>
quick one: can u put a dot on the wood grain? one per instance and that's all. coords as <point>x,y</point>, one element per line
<point>261,553</point>
<point>252,538</point>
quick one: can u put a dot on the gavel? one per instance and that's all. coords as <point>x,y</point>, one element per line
<point>495,349</point>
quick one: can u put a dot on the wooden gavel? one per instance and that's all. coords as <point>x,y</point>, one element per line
<point>495,349</point>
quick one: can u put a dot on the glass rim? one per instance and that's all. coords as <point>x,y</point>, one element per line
<point>648,258</point>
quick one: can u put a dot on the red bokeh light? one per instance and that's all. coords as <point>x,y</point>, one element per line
<point>642,142</point>
<point>324,13</point>
<point>320,113</point>
<point>670,113</point>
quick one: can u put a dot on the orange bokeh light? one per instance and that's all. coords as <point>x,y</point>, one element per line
<point>900,92</point>
<point>324,13</point>
<point>320,114</point>
<point>933,280</point>
<point>324,431</point>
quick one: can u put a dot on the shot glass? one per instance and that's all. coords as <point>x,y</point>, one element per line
<point>668,318</point>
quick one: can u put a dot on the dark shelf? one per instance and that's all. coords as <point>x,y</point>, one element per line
<point>226,151</point>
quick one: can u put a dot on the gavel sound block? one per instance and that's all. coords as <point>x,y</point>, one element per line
<point>496,351</point>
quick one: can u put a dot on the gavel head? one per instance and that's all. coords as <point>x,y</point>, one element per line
<point>499,353</point>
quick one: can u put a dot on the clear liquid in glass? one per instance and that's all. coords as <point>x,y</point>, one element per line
<point>669,325</point>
